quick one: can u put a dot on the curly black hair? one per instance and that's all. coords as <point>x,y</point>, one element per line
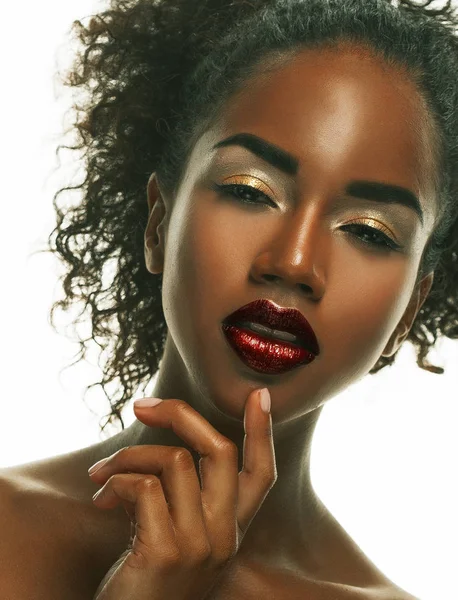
<point>154,75</point>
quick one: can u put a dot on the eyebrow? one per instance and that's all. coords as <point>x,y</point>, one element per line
<point>289,164</point>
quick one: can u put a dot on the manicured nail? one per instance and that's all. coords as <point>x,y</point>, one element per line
<point>265,399</point>
<point>98,465</point>
<point>147,402</point>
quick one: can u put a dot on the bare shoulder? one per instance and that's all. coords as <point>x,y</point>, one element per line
<point>352,576</point>
<point>248,580</point>
<point>50,543</point>
<point>344,573</point>
<point>388,592</point>
<point>10,546</point>
<point>34,539</point>
<point>22,547</point>
<point>325,590</point>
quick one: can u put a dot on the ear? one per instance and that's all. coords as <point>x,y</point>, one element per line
<point>419,295</point>
<point>155,229</point>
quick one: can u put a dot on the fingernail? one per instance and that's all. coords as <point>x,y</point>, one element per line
<point>265,399</point>
<point>147,402</point>
<point>96,466</point>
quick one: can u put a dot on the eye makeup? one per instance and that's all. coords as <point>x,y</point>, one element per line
<point>369,230</point>
<point>251,181</point>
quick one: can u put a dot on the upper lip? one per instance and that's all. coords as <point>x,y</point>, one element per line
<point>270,314</point>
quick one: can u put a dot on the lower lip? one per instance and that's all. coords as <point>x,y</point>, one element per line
<point>263,354</point>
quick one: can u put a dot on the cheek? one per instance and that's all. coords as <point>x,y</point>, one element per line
<point>203,255</point>
<point>217,245</point>
<point>365,308</point>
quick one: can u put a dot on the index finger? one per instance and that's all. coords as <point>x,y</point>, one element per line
<point>259,471</point>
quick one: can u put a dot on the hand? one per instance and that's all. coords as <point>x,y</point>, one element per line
<point>184,536</point>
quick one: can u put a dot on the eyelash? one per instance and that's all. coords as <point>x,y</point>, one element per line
<point>386,243</point>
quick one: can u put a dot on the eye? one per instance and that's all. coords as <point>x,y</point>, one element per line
<point>377,239</point>
<point>244,193</point>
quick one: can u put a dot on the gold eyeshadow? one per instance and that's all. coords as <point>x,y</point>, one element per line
<point>251,181</point>
<point>372,223</point>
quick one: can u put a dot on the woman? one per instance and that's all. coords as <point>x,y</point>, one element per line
<point>300,164</point>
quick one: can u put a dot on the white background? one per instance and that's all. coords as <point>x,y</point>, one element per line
<point>385,452</point>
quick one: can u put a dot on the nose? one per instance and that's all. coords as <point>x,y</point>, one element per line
<point>294,258</point>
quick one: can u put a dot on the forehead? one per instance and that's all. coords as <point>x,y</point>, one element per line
<point>343,112</point>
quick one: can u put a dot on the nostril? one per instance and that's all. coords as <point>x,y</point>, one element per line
<point>305,287</point>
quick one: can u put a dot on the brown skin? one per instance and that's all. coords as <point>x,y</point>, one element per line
<point>345,116</point>
<point>210,517</point>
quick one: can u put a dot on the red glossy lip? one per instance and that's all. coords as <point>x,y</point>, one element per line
<point>267,313</point>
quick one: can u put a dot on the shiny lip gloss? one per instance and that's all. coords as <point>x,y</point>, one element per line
<point>264,355</point>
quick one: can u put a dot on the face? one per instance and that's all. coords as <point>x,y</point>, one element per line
<point>299,239</point>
